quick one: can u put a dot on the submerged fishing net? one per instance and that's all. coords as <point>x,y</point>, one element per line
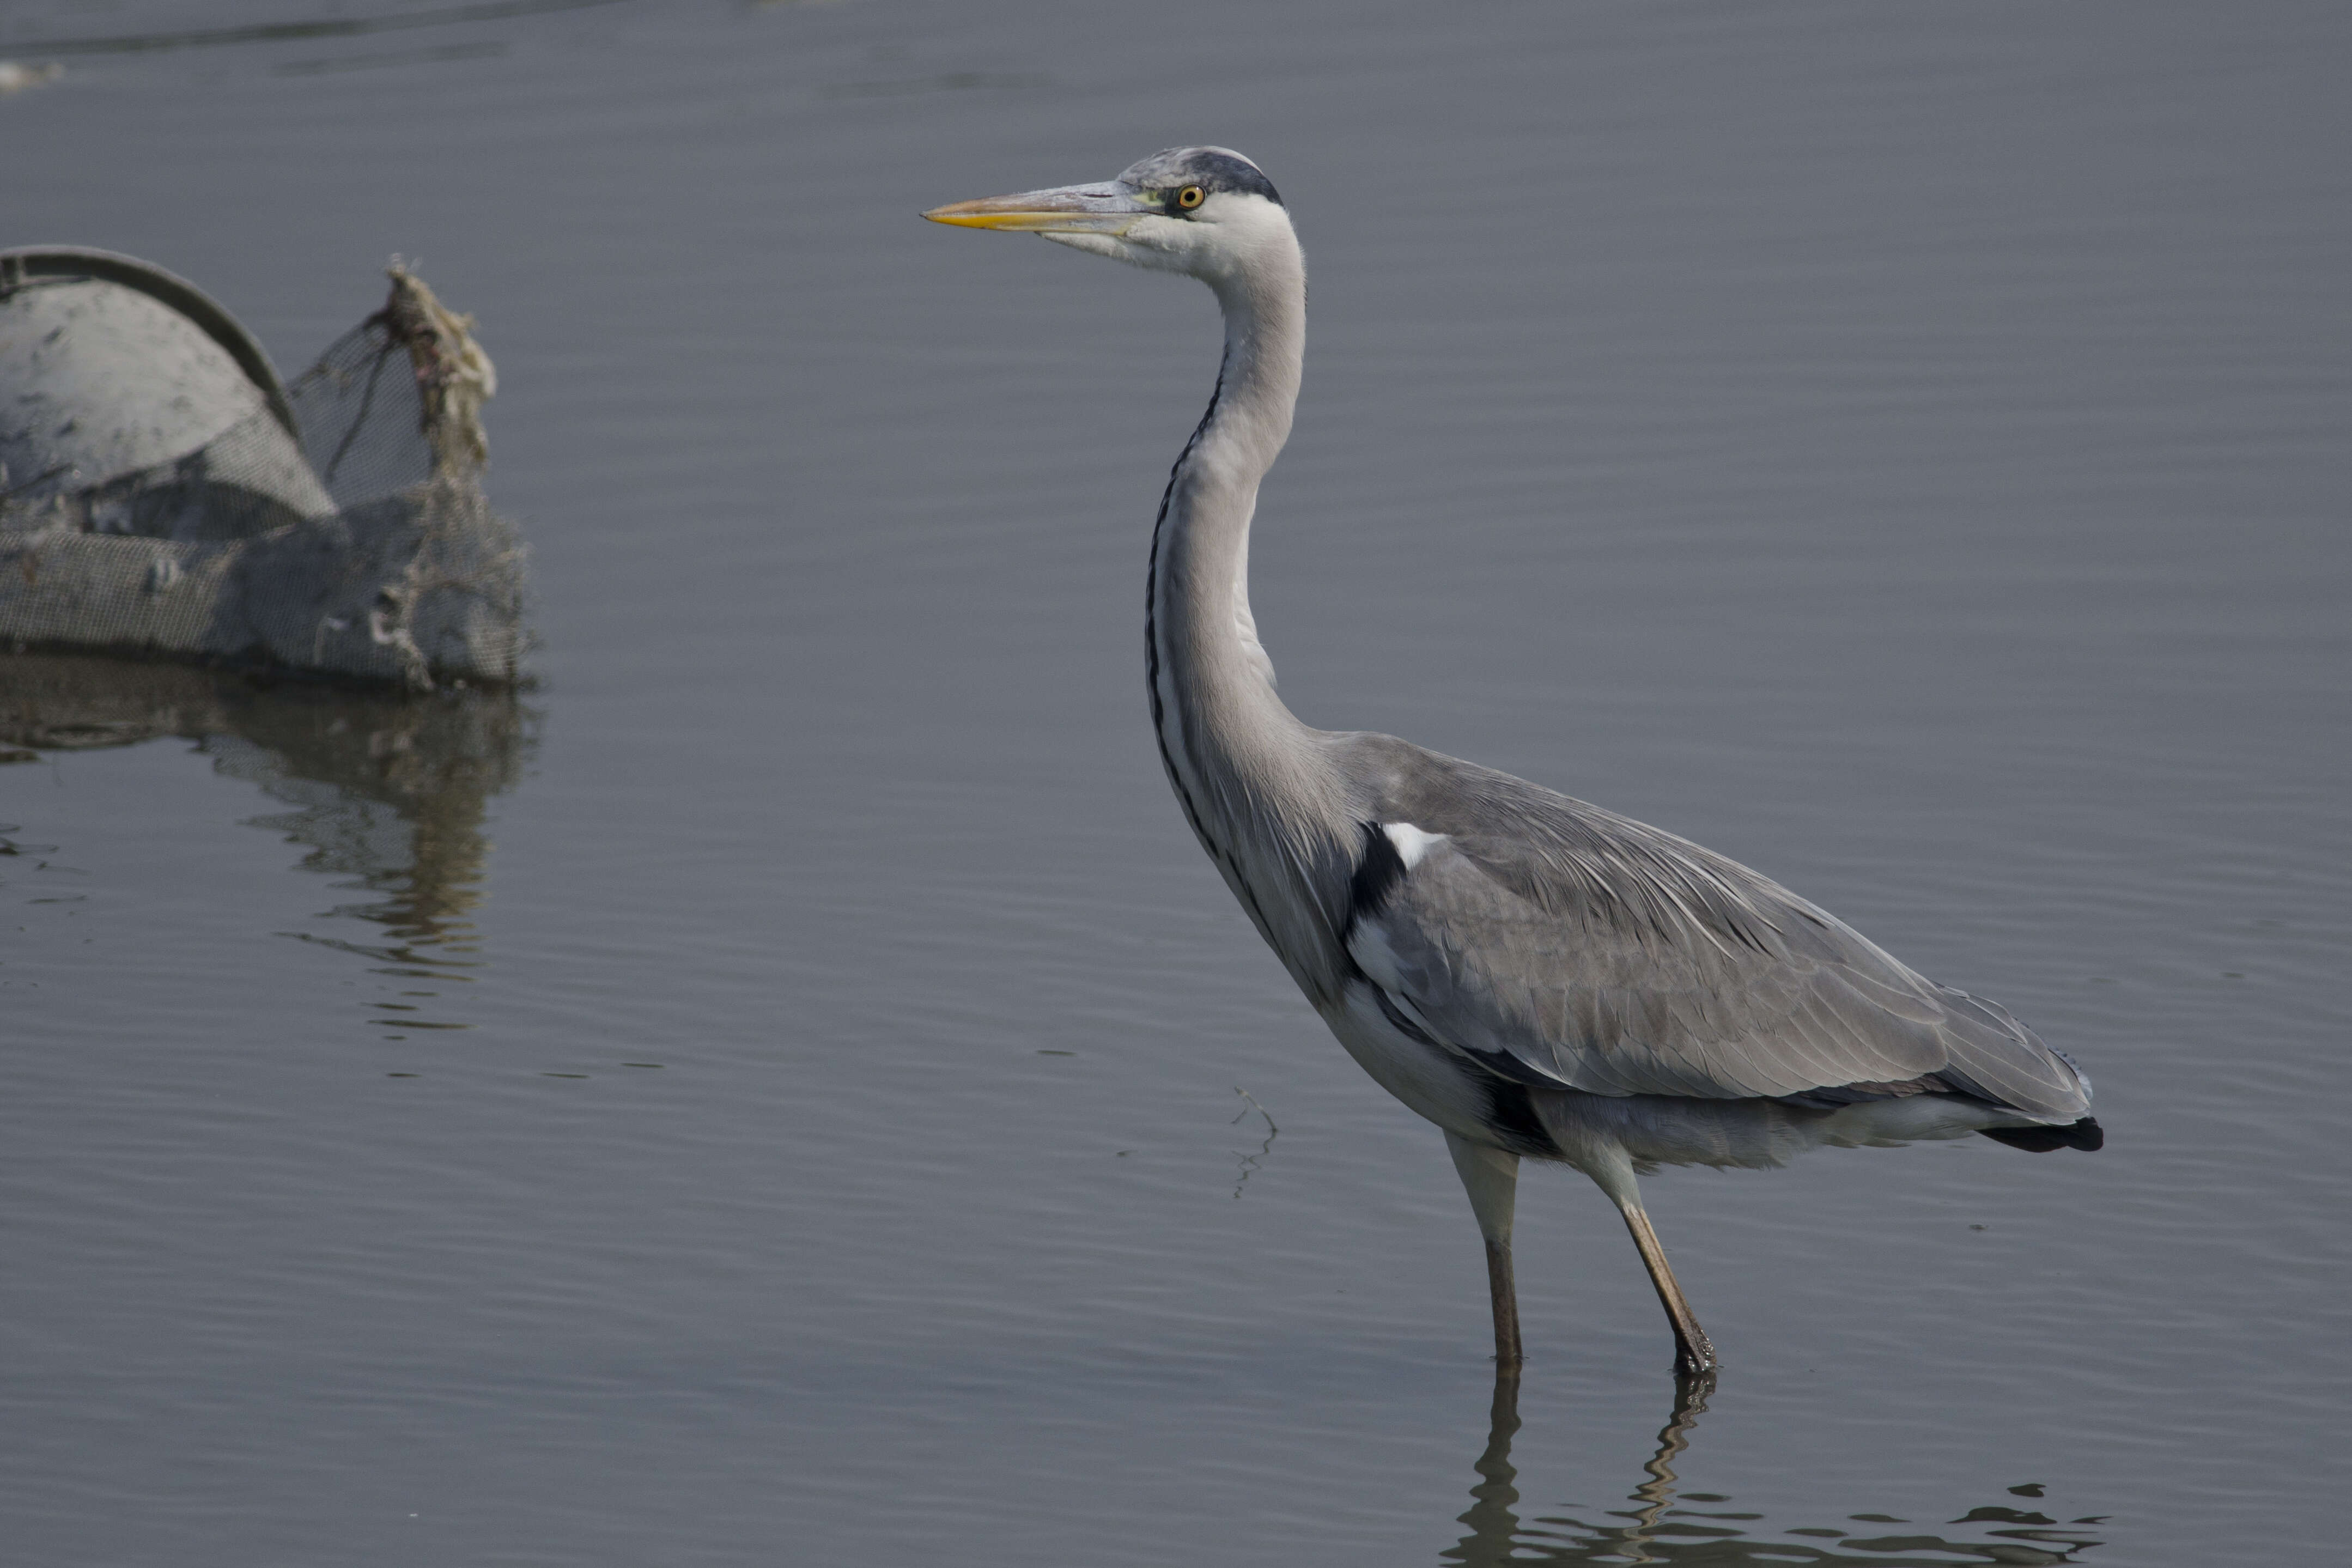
<point>161,494</point>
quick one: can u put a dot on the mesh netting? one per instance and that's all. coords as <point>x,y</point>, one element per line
<point>178,505</point>
<point>244,482</point>
<point>397,399</point>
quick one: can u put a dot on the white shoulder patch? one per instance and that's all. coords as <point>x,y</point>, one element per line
<point>1411,842</point>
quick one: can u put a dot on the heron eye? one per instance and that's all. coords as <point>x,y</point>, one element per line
<point>1191,196</point>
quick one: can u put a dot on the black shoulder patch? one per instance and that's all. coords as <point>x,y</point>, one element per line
<point>1378,871</point>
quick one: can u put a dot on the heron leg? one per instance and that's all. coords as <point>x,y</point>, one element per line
<point>1491,1177</point>
<point>1694,1357</point>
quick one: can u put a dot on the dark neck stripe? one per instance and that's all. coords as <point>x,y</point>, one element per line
<point>1152,665</point>
<point>1152,614</point>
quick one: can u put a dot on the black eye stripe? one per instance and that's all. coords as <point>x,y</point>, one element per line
<point>1213,169</point>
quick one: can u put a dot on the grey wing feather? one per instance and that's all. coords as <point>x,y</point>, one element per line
<point>1560,945</point>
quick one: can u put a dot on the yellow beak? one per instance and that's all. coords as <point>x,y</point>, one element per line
<point>1068,209</point>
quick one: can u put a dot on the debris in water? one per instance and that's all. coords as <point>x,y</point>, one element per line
<point>15,75</point>
<point>162,493</point>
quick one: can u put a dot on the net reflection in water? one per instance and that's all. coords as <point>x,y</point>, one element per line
<point>388,791</point>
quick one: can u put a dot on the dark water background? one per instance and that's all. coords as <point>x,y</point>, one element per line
<point>770,1096</point>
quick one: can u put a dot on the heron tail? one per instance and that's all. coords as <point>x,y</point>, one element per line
<point>2084,1135</point>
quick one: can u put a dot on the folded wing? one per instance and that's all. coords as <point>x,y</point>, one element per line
<point>1560,945</point>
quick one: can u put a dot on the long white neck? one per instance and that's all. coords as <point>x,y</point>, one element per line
<point>1253,780</point>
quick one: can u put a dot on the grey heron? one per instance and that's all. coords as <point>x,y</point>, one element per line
<point>1541,978</point>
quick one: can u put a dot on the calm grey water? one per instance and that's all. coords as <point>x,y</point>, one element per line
<point>770,1096</point>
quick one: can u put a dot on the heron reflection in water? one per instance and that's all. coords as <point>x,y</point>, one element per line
<point>1540,977</point>
<point>388,791</point>
<point>1659,1527</point>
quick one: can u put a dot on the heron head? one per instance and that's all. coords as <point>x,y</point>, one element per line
<point>1200,210</point>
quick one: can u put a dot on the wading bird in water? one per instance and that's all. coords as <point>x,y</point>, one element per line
<point>1541,978</point>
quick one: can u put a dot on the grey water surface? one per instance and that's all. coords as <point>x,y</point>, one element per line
<point>770,1094</point>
